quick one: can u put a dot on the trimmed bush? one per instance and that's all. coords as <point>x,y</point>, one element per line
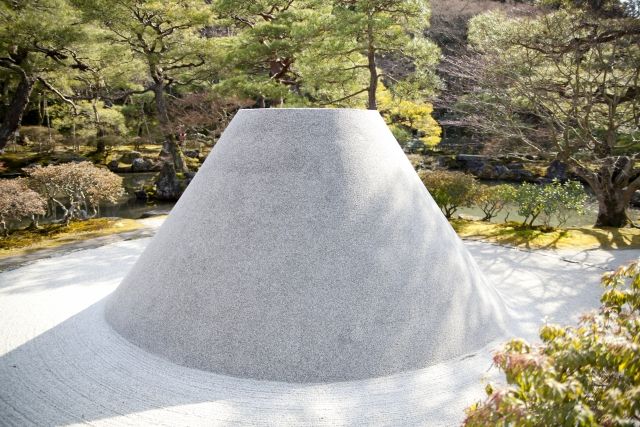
<point>18,201</point>
<point>450,190</point>
<point>548,201</point>
<point>492,199</point>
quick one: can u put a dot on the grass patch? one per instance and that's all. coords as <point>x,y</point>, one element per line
<point>514,234</point>
<point>52,235</point>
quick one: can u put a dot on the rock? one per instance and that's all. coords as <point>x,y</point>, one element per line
<point>129,156</point>
<point>168,185</point>
<point>635,199</point>
<point>521,175</point>
<point>155,212</point>
<point>506,168</point>
<point>188,176</point>
<point>141,195</point>
<point>113,165</point>
<point>557,170</point>
<point>192,153</point>
<point>142,165</point>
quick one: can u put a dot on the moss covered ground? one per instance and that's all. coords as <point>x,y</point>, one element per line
<point>53,235</point>
<point>514,234</point>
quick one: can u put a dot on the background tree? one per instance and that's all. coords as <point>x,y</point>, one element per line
<point>167,37</point>
<point>564,85</point>
<point>389,30</point>
<point>37,38</point>
<point>450,190</point>
<point>273,43</point>
<point>113,74</point>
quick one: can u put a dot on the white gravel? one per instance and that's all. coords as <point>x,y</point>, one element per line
<point>61,364</point>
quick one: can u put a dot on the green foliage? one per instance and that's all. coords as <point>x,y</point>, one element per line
<point>110,120</point>
<point>547,201</point>
<point>563,200</point>
<point>415,118</point>
<point>394,29</point>
<point>276,48</point>
<point>492,199</point>
<point>530,199</point>
<point>39,36</point>
<point>587,375</point>
<point>450,190</point>
<point>564,84</point>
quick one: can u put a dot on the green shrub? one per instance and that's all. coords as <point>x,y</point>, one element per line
<point>562,200</point>
<point>492,199</point>
<point>530,201</point>
<point>578,376</point>
<point>548,201</point>
<point>450,190</point>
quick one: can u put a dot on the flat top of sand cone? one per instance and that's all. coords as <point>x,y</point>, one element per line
<point>306,249</point>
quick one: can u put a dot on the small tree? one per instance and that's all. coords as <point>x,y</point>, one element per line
<point>412,118</point>
<point>18,201</point>
<point>562,200</point>
<point>77,188</point>
<point>579,376</point>
<point>565,85</point>
<point>492,199</point>
<point>450,190</point>
<point>548,201</point>
<point>392,30</point>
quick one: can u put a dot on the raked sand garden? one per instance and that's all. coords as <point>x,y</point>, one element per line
<point>61,363</point>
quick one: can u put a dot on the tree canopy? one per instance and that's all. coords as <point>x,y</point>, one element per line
<point>564,85</point>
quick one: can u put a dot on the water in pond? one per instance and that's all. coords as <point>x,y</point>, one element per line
<point>129,206</point>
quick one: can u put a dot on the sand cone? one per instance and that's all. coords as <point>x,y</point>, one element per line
<point>306,249</point>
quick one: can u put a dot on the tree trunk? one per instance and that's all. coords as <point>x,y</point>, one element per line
<point>612,207</point>
<point>613,184</point>
<point>170,149</point>
<point>100,145</point>
<point>373,71</point>
<point>16,108</point>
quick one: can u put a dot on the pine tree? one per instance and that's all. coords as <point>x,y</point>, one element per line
<point>167,37</point>
<point>37,40</point>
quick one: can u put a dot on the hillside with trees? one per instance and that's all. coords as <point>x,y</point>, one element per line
<point>149,86</point>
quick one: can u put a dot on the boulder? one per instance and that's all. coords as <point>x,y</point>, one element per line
<point>194,154</point>
<point>129,156</point>
<point>168,185</point>
<point>113,166</point>
<point>142,165</point>
<point>507,168</point>
<point>557,170</point>
<point>141,195</point>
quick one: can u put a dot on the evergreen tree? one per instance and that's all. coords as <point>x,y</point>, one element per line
<point>37,39</point>
<point>167,37</point>
<point>390,31</point>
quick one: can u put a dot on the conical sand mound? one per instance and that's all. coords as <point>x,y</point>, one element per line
<point>306,249</point>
